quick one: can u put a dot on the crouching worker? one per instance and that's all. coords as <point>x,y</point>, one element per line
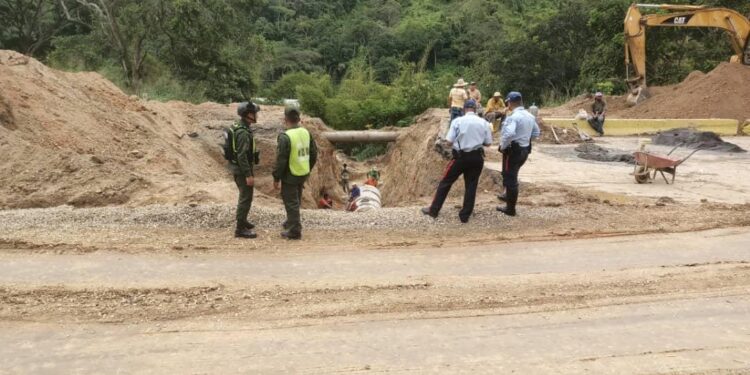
<point>467,136</point>
<point>296,156</point>
<point>598,113</point>
<point>325,202</point>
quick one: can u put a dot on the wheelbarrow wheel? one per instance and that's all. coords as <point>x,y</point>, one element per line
<point>641,174</point>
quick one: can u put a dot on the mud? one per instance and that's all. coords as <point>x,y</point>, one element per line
<point>692,138</point>
<point>591,151</point>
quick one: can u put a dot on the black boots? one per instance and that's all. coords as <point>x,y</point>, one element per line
<point>290,236</point>
<point>245,230</point>
<point>245,233</point>
<point>511,197</point>
<point>426,211</point>
<point>506,210</point>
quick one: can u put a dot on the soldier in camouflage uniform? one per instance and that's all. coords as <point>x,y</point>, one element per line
<point>245,157</point>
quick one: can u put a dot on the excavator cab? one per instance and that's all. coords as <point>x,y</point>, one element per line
<point>735,24</point>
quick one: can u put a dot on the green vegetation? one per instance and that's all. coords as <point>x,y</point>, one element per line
<point>354,63</point>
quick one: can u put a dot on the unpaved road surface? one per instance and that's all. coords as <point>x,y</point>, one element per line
<point>711,175</point>
<point>649,304</point>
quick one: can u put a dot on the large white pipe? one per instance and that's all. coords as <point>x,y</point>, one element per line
<point>353,136</point>
<point>369,199</point>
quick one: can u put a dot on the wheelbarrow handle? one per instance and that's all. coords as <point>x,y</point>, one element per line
<point>675,147</point>
<point>686,157</point>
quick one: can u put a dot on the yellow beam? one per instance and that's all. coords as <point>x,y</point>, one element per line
<point>621,127</point>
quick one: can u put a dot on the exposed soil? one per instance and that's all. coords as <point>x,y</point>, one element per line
<point>564,135</point>
<point>416,163</point>
<point>720,93</point>
<point>76,139</point>
<point>537,293</point>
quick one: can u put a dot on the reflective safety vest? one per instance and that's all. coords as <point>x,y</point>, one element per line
<point>299,155</point>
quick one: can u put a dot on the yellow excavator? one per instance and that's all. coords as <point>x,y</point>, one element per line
<point>736,25</point>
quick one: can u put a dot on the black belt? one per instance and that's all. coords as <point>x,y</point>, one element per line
<point>515,146</point>
<point>461,154</point>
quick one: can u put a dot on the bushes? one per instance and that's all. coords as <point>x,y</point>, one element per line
<point>286,87</point>
<point>312,100</point>
<point>360,102</point>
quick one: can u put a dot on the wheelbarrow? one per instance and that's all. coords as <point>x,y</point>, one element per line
<point>647,165</point>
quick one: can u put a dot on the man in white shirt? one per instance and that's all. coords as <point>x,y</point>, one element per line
<point>518,129</point>
<point>467,135</point>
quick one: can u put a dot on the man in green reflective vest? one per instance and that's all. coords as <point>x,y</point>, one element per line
<point>245,157</point>
<point>296,156</point>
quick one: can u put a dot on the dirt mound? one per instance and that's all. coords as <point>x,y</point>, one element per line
<point>414,166</point>
<point>564,135</point>
<point>695,139</point>
<point>6,114</point>
<point>75,138</point>
<point>721,93</point>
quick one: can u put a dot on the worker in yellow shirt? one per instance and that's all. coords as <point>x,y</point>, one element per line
<point>495,111</point>
<point>456,99</point>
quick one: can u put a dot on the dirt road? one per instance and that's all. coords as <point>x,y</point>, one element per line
<point>652,304</point>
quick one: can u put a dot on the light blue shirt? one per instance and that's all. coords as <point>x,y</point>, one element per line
<point>469,132</point>
<point>519,127</point>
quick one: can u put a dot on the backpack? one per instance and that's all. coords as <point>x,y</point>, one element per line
<point>229,147</point>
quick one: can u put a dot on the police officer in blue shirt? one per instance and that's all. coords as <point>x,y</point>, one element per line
<point>518,129</point>
<point>467,135</point>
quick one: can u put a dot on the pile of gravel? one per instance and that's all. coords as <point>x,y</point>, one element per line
<point>217,216</point>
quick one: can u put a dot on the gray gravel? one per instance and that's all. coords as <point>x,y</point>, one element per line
<point>222,216</point>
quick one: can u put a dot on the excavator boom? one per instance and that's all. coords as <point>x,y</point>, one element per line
<point>736,26</point>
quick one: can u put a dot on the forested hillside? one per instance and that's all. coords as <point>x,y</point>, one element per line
<point>352,62</point>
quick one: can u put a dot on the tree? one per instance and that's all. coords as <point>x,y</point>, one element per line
<point>128,25</point>
<point>30,25</point>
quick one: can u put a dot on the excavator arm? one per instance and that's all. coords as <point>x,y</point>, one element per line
<point>736,26</point>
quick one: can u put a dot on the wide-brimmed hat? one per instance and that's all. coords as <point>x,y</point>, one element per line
<point>497,94</point>
<point>598,95</point>
<point>460,83</point>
